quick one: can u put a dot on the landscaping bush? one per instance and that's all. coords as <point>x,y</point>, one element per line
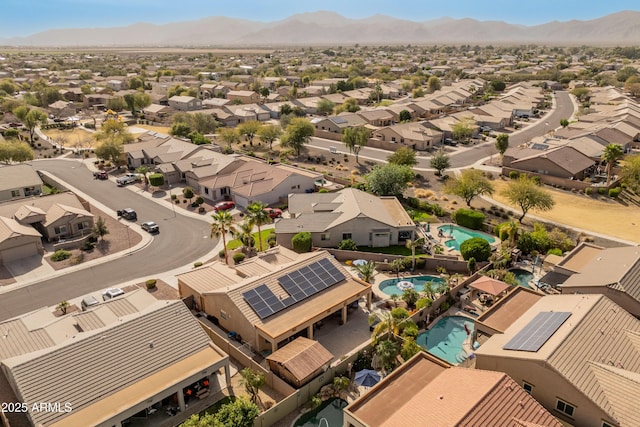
<point>602,190</point>
<point>199,200</point>
<point>60,255</point>
<point>151,283</point>
<point>468,218</point>
<point>301,242</point>
<point>413,202</point>
<point>588,191</point>
<point>536,179</point>
<point>194,205</point>
<point>554,251</point>
<point>421,262</point>
<point>88,246</point>
<point>238,258</point>
<point>156,179</point>
<point>197,264</point>
<point>174,196</point>
<point>477,248</point>
<point>514,175</point>
<point>614,192</point>
<point>323,190</point>
<point>348,245</point>
<point>221,253</point>
<point>201,209</point>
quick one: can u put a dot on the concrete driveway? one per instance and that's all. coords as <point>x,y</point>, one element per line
<point>30,269</point>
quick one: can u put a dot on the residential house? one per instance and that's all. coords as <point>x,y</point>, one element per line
<point>156,112</point>
<point>456,397</point>
<point>185,103</point>
<point>62,109</point>
<point>256,181</point>
<point>378,117</point>
<point>366,219</point>
<point>243,96</point>
<point>562,162</point>
<point>18,241</point>
<point>96,100</point>
<point>116,85</point>
<point>575,354</point>
<point>268,300</point>
<point>18,182</point>
<point>116,360</point>
<point>334,124</point>
<point>416,135</point>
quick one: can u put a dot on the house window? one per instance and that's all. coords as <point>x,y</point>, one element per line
<point>224,191</point>
<point>60,230</point>
<point>324,236</point>
<point>346,236</point>
<point>15,193</point>
<point>206,190</point>
<point>393,139</point>
<point>527,387</point>
<point>83,225</point>
<point>565,408</point>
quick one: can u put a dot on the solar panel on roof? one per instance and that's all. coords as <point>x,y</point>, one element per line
<point>538,146</point>
<point>310,279</point>
<point>338,120</point>
<point>537,332</point>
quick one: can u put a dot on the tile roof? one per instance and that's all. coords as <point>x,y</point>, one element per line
<point>508,308</point>
<point>10,229</point>
<point>489,285</point>
<point>18,176</point>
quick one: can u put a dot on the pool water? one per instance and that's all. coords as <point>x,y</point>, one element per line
<point>522,277</point>
<point>330,410</point>
<point>389,286</point>
<point>460,234</point>
<point>446,337</point>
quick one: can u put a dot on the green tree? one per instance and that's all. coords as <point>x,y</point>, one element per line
<point>325,107</point>
<point>8,87</point>
<point>144,170</point>
<point>110,150</point>
<point>141,101</point>
<point>403,156</point>
<point>389,179</point>
<point>397,265</point>
<point>409,348</point>
<point>413,244</point>
<point>440,161</point>
<point>188,194</point>
<point>498,85</point>
<point>471,184</point>
<point>417,93</point>
<point>471,265</point>
<point>463,129</point>
<point>239,413</point>
<point>350,105</point>
<point>341,383</point>
<point>301,242</point>
<point>366,270</point>
<point>476,248</point>
<point>269,133</point>
<point>260,217</point>
<point>410,297</point>
<point>14,151</point>
<point>230,136</point>
<point>387,352</point>
<point>390,325</point>
<point>249,129</point>
<point>31,118</point>
<point>202,420</point>
<point>631,172</point>
<point>199,122</point>
<point>297,134</point>
<point>564,123</point>
<point>611,154</point>
<point>355,138</point>
<point>528,195</point>
<point>252,381</point>
<point>222,224</point>
<point>115,131</point>
<point>624,73</point>
<point>433,84</point>
<point>63,306</point>
<point>582,93</point>
<point>100,228</point>
<point>502,143</point>
<point>116,103</point>
<point>404,116</point>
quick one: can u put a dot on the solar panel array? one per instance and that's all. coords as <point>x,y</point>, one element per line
<point>299,284</point>
<point>533,336</point>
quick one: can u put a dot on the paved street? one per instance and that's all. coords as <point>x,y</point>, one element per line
<point>181,241</point>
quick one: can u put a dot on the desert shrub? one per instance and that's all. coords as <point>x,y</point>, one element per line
<point>197,264</point>
<point>238,258</point>
<point>413,202</point>
<point>554,251</point>
<point>348,245</point>
<point>588,191</point>
<point>301,242</point>
<point>614,192</point>
<point>468,218</point>
<point>174,196</point>
<point>514,175</point>
<point>477,248</point>
<point>323,190</point>
<point>194,205</point>
<point>221,253</point>
<point>536,179</point>
<point>151,283</point>
<point>199,200</point>
<point>88,246</point>
<point>60,255</point>
<point>602,190</point>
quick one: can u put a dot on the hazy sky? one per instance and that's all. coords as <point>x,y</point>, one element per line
<point>24,17</point>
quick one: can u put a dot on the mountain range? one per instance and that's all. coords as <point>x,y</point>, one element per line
<point>329,28</point>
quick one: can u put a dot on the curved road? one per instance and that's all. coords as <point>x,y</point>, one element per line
<point>563,109</point>
<point>181,240</point>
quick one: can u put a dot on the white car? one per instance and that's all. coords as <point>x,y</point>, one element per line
<point>112,293</point>
<point>150,227</point>
<point>129,178</point>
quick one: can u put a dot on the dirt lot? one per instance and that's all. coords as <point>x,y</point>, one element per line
<point>71,138</point>
<point>120,238</point>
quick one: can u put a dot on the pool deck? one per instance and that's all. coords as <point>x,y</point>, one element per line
<point>434,238</point>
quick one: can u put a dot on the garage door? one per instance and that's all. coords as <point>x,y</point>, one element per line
<point>20,252</point>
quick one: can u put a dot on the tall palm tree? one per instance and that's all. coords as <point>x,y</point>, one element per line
<point>257,214</point>
<point>511,228</point>
<point>245,234</point>
<point>366,270</point>
<point>222,224</point>
<point>391,324</point>
<point>611,154</point>
<point>413,244</point>
<point>387,352</point>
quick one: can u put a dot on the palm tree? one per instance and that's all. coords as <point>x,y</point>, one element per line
<point>63,307</point>
<point>511,228</point>
<point>366,270</point>
<point>397,265</point>
<point>257,214</point>
<point>390,326</point>
<point>413,244</point>
<point>611,154</point>
<point>222,224</point>
<point>387,352</point>
<point>144,170</point>
<point>245,235</point>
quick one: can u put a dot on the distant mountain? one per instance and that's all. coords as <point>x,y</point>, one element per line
<point>328,28</point>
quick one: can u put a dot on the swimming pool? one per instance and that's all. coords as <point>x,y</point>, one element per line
<point>522,277</point>
<point>460,234</point>
<point>330,410</point>
<point>445,338</point>
<point>390,287</point>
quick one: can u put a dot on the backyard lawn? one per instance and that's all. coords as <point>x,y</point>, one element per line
<point>598,215</point>
<point>236,243</point>
<point>391,250</point>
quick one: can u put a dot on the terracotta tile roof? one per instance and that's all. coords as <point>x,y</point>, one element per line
<point>489,285</point>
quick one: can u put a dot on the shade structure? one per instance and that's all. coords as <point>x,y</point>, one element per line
<point>359,262</point>
<point>403,285</point>
<point>367,378</point>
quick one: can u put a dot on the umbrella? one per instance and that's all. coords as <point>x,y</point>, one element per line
<point>359,262</point>
<point>404,285</point>
<point>367,377</point>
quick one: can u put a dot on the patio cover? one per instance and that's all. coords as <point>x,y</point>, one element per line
<point>302,358</point>
<point>489,285</point>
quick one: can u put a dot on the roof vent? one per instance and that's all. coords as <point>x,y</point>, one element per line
<point>150,344</point>
<point>441,397</point>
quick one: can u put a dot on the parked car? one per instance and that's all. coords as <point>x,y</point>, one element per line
<point>150,227</point>
<point>102,175</point>
<point>224,206</point>
<point>112,293</point>
<point>127,213</point>
<point>273,212</point>
<point>89,301</point>
<point>450,142</point>
<point>127,179</point>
